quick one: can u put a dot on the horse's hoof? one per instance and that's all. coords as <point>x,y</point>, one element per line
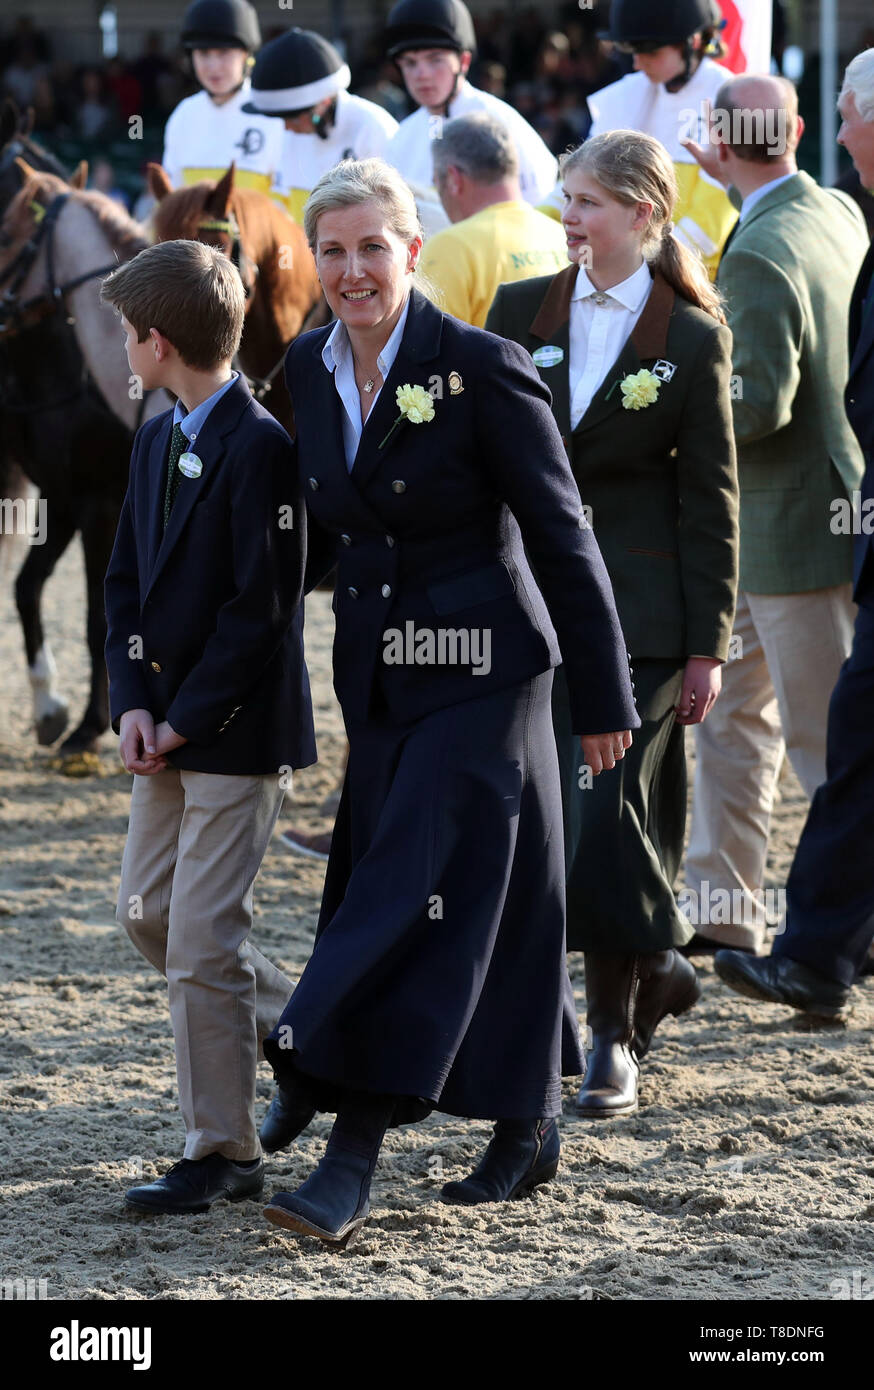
<point>52,724</point>
<point>82,740</point>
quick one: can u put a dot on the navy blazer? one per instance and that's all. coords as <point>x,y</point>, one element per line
<point>205,621</point>
<point>426,529</point>
<point>859,401</point>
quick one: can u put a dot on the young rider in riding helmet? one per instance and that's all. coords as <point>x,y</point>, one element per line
<point>302,79</point>
<point>675,75</point>
<point>433,42</point>
<point>210,130</point>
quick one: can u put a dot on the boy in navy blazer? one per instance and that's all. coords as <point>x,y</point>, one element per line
<point>209,692</point>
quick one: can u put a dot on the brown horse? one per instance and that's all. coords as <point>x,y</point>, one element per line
<point>283,294</point>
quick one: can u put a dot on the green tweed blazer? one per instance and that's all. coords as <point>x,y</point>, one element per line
<point>661,482</point>
<point>787,276</point>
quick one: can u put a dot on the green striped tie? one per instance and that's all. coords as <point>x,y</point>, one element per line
<point>178,445</point>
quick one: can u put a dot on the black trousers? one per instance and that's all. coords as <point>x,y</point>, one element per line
<point>624,833</point>
<point>830,890</point>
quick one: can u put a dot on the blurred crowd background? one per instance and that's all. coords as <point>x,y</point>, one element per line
<point>546,70</point>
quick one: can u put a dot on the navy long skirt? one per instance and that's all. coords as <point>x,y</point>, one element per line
<point>438,973</point>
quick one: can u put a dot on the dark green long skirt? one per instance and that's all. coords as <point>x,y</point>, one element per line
<point>624,833</point>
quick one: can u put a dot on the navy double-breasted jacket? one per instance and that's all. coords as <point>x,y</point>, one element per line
<point>859,401</point>
<point>205,620</point>
<point>430,530</point>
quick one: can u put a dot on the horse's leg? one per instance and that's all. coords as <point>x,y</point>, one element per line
<point>50,710</point>
<point>98,522</point>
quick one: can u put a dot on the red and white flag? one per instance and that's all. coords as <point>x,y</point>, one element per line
<point>747,35</point>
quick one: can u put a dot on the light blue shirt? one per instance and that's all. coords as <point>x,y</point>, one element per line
<point>337,357</point>
<point>193,421</point>
<point>751,199</point>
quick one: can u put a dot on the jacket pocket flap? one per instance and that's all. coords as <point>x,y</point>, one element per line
<point>468,590</point>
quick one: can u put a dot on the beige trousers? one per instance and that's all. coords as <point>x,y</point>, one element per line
<point>195,843</point>
<point>774,700</point>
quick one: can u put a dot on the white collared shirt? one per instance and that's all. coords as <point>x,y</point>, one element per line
<point>337,357</point>
<point>751,199</point>
<point>599,331</point>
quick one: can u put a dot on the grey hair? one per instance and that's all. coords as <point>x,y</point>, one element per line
<point>478,145</point>
<point>859,83</point>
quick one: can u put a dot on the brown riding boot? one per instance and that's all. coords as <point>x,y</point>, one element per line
<point>668,985</point>
<point>610,1084</point>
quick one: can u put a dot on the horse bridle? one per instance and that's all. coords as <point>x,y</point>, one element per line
<point>14,314</point>
<point>52,298</point>
<point>230,228</point>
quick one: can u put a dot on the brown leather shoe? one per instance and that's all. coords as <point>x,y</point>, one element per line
<point>669,984</point>
<point>610,1084</point>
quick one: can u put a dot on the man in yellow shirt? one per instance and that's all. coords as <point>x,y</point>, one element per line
<point>496,236</point>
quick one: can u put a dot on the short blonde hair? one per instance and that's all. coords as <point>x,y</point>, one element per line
<point>356,181</point>
<point>190,292</point>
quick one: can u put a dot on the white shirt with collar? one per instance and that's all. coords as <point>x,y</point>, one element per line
<point>751,199</point>
<point>337,357</point>
<point>600,330</point>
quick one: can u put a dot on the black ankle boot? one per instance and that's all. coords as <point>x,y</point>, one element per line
<point>610,1084</point>
<point>286,1118</point>
<point>523,1154</point>
<point>333,1202</point>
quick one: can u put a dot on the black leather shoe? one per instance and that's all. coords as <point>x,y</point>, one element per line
<point>284,1121</point>
<point>781,980</point>
<point>668,984</point>
<point>193,1184</point>
<point>522,1155</point>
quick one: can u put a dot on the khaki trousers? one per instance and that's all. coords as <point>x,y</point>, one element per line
<point>774,700</point>
<point>194,846</point>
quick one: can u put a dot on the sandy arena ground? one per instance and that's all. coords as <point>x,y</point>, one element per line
<point>747,1174</point>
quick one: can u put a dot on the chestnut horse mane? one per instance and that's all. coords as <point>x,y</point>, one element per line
<point>125,236</point>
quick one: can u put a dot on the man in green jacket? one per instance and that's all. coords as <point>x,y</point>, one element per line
<point>787,275</point>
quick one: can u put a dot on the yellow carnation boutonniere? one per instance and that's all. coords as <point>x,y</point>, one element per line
<point>639,389</point>
<point>415,404</point>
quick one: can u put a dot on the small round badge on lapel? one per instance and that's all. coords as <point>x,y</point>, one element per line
<point>455,386</point>
<point>190,465</point>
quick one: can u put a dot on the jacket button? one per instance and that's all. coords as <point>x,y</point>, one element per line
<point>674,452</point>
<point>314,484</point>
<point>352,591</point>
<point>156,666</point>
<point>386,591</point>
<point>389,540</point>
<point>398,485</point>
<point>347,540</point>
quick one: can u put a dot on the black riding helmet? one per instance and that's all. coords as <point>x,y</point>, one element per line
<point>429,24</point>
<point>641,26</point>
<point>293,73</point>
<point>221,24</point>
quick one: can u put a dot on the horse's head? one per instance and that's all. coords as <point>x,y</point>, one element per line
<point>207,212</point>
<point>50,235</point>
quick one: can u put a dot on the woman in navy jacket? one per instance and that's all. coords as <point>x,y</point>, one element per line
<point>428,453</point>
